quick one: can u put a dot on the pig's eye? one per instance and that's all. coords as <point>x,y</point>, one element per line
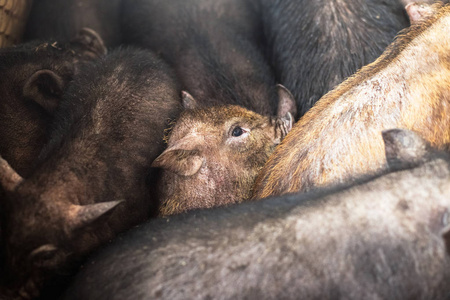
<point>43,253</point>
<point>238,131</point>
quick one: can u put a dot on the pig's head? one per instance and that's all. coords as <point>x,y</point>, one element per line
<point>214,155</point>
<point>33,77</point>
<point>406,149</point>
<point>42,233</point>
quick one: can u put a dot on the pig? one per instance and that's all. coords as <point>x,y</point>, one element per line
<point>33,78</point>
<point>337,140</point>
<point>92,178</point>
<point>314,45</point>
<point>384,237</point>
<point>215,47</point>
<point>216,50</point>
<point>214,155</point>
<point>55,19</point>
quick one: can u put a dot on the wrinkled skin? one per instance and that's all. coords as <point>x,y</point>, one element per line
<point>214,155</point>
<point>92,181</point>
<point>337,140</point>
<point>33,78</point>
<point>381,238</point>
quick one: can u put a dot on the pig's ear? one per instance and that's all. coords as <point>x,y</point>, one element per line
<point>179,161</point>
<point>403,148</point>
<point>9,179</point>
<point>91,42</point>
<point>282,127</point>
<point>418,11</point>
<point>188,101</point>
<point>45,87</point>
<point>445,233</point>
<point>80,216</point>
<point>286,102</point>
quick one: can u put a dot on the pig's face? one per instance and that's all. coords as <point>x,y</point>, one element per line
<point>214,155</point>
<point>42,231</point>
<point>33,233</point>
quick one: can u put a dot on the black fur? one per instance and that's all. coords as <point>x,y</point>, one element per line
<point>107,131</point>
<point>23,121</point>
<point>378,239</point>
<point>55,19</point>
<point>315,45</point>
<point>214,47</point>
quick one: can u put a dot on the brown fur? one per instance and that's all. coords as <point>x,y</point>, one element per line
<point>339,138</point>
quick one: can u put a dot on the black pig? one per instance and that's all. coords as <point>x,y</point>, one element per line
<point>92,180</point>
<point>315,45</point>
<point>214,47</point>
<point>33,78</point>
<point>379,239</point>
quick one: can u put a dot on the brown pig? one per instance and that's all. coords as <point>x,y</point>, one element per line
<point>214,155</point>
<point>339,138</point>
